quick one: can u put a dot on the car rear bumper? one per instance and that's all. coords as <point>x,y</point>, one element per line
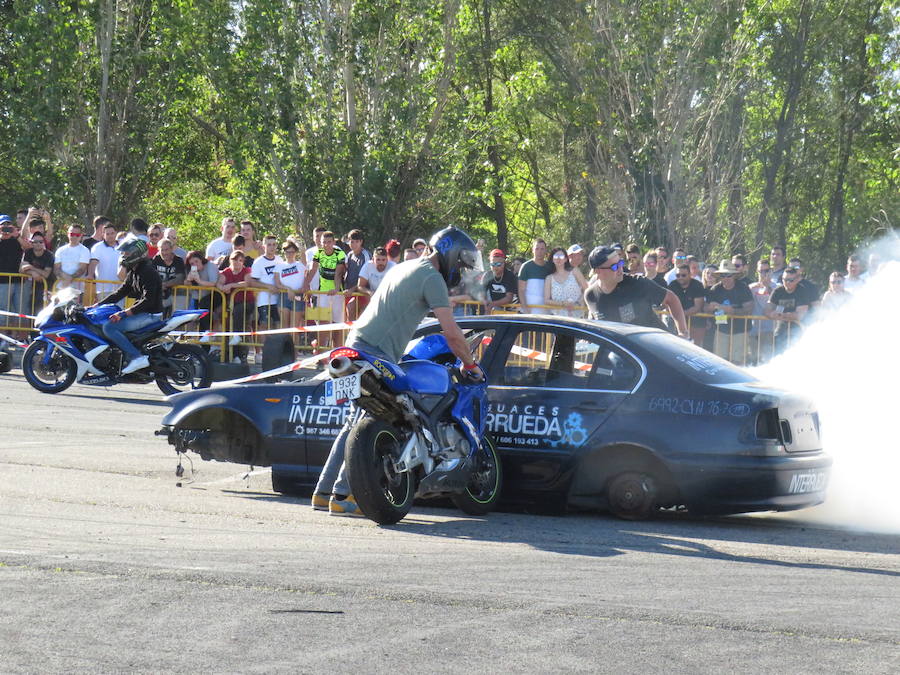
<point>744,484</point>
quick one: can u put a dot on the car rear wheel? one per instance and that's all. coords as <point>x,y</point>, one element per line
<point>633,495</point>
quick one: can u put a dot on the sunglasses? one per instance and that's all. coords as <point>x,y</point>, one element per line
<point>74,234</point>
<point>559,256</point>
<point>790,280</point>
<point>615,267</point>
<point>496,264</point>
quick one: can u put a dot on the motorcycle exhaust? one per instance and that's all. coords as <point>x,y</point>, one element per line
<point>340,366</point>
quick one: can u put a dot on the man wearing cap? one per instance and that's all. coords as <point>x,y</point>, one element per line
<point>727,299</point>
<point>617,296</point>
<point>500,283</point>
<point>394,250</point>
<point>576,255</point>
<point>420,245</point>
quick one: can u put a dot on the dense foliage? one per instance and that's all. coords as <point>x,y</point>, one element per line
<point>722,125</point>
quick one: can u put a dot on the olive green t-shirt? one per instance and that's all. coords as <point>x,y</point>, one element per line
<point>406,294</point>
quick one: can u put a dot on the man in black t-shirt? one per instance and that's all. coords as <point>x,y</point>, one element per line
<point>500,284</point>
<point>37,264</point>
<point>690,294</point>
<point>616,296</point>
<point>788,305</point>
<point>727,299</point>
<point>171,272</point>
<point>812,292</point>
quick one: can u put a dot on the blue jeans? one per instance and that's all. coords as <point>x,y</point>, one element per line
<point>333,479</point>
<point>115,332</point>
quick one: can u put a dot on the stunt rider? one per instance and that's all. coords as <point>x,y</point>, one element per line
<point>142,282</point>
<point>411,290</point>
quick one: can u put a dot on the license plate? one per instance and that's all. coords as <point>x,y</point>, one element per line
<point>341,389</point>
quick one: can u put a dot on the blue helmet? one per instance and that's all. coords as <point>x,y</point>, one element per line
<point>456,251</point>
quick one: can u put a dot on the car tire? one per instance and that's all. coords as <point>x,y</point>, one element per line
<point>483,491</point>
<point>633,495</point>
<point>384,498</point>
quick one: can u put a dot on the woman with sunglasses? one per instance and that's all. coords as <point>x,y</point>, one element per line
<point>565,286</point>
<point>617,296</point>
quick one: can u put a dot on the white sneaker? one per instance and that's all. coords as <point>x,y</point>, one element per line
<point>136,364</point>
<point>235,340</point>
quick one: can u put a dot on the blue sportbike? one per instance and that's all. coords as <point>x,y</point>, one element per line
<point>419,430</point>
<point>71,347</point>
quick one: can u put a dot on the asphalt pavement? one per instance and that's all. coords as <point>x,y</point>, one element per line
<point>108,565</point>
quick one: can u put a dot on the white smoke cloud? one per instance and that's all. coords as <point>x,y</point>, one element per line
<point>849,364</point>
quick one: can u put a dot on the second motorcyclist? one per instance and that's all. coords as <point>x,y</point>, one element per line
<point>142,283</point>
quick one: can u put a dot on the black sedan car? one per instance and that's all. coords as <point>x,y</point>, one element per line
<point>585,414</point>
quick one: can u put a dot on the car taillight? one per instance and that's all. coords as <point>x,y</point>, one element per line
<point>768,424</point>
<point>351,354</point>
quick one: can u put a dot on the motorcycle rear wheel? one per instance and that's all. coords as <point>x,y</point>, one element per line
<point>483,491</point>
<point>195,372</point>
<point>382,494</point>
<point>52,377</point>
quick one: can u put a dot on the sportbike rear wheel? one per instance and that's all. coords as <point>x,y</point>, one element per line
<point>52,377</point>
<point>193,371</point>
<point>483,490</point>
<point>383,495</point>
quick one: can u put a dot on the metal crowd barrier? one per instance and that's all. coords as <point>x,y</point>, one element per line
<point>20,294</point>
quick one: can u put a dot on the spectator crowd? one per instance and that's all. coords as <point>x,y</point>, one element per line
<point>741,314</point>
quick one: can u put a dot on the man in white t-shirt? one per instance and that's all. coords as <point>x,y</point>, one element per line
<point>104,263</point>
<point>374,271</point>
<point>262,275</point>
<point>71,260</point>
<point>220,248</point>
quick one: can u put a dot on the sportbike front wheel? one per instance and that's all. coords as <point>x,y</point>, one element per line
<point>48,375</point>
<point>192,370</point>
<point>383,494</point>
<point>485,483</point>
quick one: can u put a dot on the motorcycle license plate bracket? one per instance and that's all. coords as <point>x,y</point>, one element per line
<point>342,389</point>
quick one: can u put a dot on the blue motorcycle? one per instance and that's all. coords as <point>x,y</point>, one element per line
<point>420,431</point>
<point>71,347</point>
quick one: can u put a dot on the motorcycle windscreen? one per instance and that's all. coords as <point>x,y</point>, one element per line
<point>426,377</point>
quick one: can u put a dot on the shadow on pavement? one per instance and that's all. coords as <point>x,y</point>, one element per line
<point>674,534</point>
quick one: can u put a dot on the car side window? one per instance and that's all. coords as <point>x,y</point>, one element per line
<point>541,358</point>
<point>609,367</point>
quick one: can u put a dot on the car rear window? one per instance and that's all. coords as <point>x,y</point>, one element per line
<point>691,360</point>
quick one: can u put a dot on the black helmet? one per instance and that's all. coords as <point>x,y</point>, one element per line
<point>131,250</point>
<point>455,250</point>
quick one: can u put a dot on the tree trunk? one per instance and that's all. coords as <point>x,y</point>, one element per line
<point>785,125</point>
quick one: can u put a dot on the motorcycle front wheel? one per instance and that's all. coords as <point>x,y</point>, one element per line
<point>484,486</point>
<point>193,370</point>
<point>383,494</point>
<point>52,377</point>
